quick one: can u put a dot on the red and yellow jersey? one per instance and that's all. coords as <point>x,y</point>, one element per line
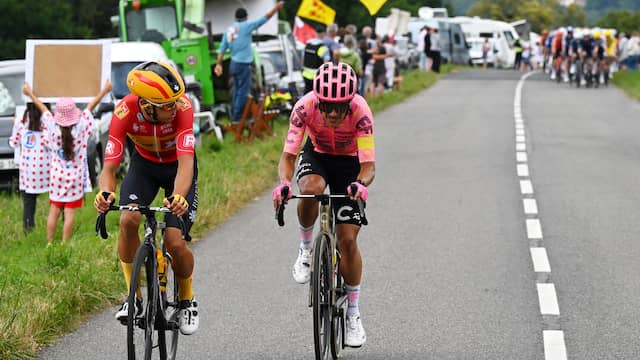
<point>160,143</point>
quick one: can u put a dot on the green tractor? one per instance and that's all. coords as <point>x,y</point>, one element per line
<point>177,26</point>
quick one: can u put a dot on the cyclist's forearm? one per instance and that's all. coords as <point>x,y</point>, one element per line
<point>184,175</point>
<point>367,172</point>
<point>286,167</point>
<point>107,181</point>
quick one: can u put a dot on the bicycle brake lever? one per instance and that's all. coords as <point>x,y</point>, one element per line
<point>280,209</point>
<point>101,226</point>
<point>363,217</point>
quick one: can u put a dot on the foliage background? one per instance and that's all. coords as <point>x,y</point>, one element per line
<point>82,19</point>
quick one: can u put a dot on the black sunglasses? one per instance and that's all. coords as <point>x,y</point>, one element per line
<point>338,107</point>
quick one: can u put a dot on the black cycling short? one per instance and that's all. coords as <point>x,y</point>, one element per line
<point>144,179</point>
<point>338,171</point>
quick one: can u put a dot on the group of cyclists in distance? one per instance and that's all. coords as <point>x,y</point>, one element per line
<point>581,56</point>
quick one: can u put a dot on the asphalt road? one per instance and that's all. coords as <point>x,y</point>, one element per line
<point>449,264</point>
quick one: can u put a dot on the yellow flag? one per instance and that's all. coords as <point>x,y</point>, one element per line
<point>316,10</point>
<point>373,5</point>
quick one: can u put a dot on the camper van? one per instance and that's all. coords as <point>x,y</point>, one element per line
<point>455,48</point>
<point>501,36</point>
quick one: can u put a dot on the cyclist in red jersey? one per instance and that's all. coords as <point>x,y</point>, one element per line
<point>158,118</point>
<point>339,152</point>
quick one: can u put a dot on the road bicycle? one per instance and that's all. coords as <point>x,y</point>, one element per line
<point>327,293</point>
<point>155,326</point>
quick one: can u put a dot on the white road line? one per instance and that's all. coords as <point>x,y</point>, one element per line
<point>521,147</point>
<point>548,299</point>
<point>521,156</point>
<point>519,126</point>
<point>526,187</point>
<point>522,170</point>
<point>519,132</point>
<point>554,347</point>
<point>530,206</point>
<point>534,230</point>
<point>520,138</point>
<point>540,260</point>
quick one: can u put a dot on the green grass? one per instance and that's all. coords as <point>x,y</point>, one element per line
<point>629,81</point>
<point>46,292</point>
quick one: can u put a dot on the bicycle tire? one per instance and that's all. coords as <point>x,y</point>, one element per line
<point>337,315</point>
<point>171,312</point>
<point>145,323</point>
<point>321,279</point>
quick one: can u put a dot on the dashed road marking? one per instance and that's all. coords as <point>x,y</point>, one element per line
<point>540,260</point>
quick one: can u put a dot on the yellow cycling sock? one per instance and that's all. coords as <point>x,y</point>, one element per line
<point>185,290</point>
<point>127,270</point>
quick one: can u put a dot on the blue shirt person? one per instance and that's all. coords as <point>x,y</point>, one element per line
<point>238,40</point>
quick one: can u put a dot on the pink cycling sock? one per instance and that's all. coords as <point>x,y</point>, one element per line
<point>305,237</point>
<point>353,293</point>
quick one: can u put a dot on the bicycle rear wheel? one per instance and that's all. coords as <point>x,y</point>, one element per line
<point>321,280</point>
<point>140,328</point>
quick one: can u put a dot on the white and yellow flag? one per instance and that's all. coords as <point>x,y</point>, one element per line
<point>373,5</point>
<point>316,10</point>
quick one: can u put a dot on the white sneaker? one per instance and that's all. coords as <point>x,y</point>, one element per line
<point>355,336</point>
<point>123,312</point>
<point>302,267</point>
<point>189,319</point>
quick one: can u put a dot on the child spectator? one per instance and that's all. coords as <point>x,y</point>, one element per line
<point>66,136</point>
<point>34,160</point>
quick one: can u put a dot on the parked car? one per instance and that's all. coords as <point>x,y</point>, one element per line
<point>407,55</point>
<point>11,80</point>
<point>286,60</point>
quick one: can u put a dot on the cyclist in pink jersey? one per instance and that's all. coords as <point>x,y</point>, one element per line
<point>339,152</point>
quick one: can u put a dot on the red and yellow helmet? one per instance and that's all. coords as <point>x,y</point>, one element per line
<point>156,82</point>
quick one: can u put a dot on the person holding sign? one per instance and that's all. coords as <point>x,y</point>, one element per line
<point>66,135</point>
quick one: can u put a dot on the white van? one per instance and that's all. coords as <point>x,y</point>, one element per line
<point>501,36</point>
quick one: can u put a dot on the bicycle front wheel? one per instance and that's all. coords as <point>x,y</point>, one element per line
<point>171,311</point>
<point>321,280</point>
<point>141,319</point>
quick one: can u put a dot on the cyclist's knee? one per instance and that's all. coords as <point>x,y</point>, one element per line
<point>311,184</point>
<point>130,220</point>
<point>173,240</point>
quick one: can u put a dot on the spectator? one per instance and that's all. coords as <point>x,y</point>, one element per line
<point>348,55</point>
<point>238,40</point>
<point>422,63</point>
<point>365,57</point>
<point>631,53</point>
<point>27,138</point>
<point>526,57</point>
<point>66,135</point>
<point>486,47</point>
<point>389,60</point>
<point>427,48</point>
<point>376,87</point>
<point>517,47</point>
<point>435,50</point>
<point>330,39</point>
<point>369,37</point>
<point>315,54</point>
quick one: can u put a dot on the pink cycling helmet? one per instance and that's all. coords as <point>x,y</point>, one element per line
<point>335,83</point>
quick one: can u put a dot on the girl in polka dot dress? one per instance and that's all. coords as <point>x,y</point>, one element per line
<point>66,136</point>
<point>34,161</point>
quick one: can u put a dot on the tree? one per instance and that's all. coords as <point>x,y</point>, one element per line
<point>623,21</point>
<point>573,15</point>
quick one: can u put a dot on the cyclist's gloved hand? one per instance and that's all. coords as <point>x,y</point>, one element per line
<point>177,203</point>
<point>277,193</point>
<point>362,190</point>
<point>103,200</point>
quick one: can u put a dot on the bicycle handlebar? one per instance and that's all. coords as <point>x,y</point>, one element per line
<point>148,211</point>
<point>320,197</point>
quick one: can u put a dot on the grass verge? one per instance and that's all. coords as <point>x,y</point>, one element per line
<point>47,292</point>
<point>629,81</point>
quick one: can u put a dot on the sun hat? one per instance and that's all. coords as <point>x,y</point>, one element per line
<point>67,113</point>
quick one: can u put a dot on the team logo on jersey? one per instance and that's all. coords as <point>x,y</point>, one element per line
<point>184,104</point>
<point>29,140</point>
<point>122,110</point>
<point>189,141</point>
<point>365,125</point>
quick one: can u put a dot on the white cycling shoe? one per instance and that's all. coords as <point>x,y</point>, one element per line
<point>123,313</point>
<point>189,317</point>
<point>302,267</point>
<point>355,334</point>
